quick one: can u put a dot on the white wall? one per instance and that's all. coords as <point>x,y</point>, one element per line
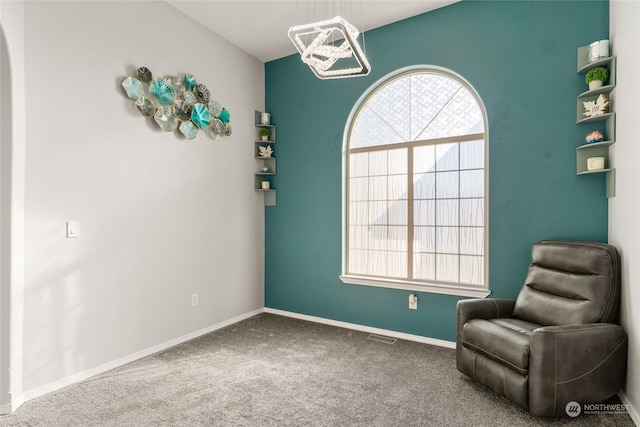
<point>161,218</point>
<point>624,208</point>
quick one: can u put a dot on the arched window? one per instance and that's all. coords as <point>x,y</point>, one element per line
<point>415,185</point>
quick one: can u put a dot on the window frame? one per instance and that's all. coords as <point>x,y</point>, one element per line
<point>429,286</point>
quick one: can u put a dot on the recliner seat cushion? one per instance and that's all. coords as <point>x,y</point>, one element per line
<point>506,341</point>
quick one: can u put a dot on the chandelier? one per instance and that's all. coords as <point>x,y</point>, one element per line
<point>330,48</point>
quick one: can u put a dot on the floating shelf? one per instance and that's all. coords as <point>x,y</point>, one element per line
<point>598,149</point>
<point>265,162</point>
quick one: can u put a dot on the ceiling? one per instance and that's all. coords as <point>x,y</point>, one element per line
<point>260,27</point>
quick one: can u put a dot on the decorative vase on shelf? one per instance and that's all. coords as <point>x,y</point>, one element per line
<point>595,84</point>
<point>596,77</point>
<point>598,50</point>
<point>265,137</point>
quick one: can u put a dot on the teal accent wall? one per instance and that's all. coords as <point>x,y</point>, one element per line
<point>520,56</point>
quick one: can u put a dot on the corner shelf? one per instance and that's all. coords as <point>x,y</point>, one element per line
<point>598,149</point>
<point>265,162</point>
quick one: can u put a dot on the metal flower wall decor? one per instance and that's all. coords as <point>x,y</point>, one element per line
<point>178,102</point>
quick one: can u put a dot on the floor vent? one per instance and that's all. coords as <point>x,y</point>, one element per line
<point>381,338</point>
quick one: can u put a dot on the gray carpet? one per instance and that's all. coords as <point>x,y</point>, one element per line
<point>275,371</point>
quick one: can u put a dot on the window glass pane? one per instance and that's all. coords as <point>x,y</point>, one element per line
<point>397,238</point>
<point>447,268</point>
<point>472,183</point>
<point>460,116</point>
<point>430,93</point>
<point>424,159</point>
<point>378,163</point>
<point>378,237</point>
<point>397,187</point>
<point>424,239</point>
<point>471,241</point>
<point>398,212</point>
<point>424,212</point>
<point>424,266</point>
<point>359,189</point>
<point>447,212</point>
<point>472,212</point>
<point>472,155</point>
<point>359,164</point>
<point>447,240</point>
<point>424,186</point>
<point>378,263</point>
<point>398,161</point>
<point>378,213</point>
<point>358,261</point>
<point>447,157</point>
<point>472,270</point>
<point>358,237</point>
<point>391,104</point>
<point>446,185</point>
<point>369,130</point>
<point>397,264</point>
<point>378,188</point>
<point>358,214</point>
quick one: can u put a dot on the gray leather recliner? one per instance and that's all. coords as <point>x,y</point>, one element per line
<point>558,342</point>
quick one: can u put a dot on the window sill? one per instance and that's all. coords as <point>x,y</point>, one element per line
<point>412,286</point>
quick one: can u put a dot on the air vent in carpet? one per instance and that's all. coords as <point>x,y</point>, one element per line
<point>381,338</point>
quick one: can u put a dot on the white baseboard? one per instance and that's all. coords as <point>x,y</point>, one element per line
<point>72,379</point>
<point>362,328</point>
<point>16,402</point>
<point>633,412</point>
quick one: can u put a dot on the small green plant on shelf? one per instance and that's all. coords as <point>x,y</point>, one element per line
<point>264,133</point>
<point>598,74</point>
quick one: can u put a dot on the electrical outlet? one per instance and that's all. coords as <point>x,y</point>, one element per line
<point>413,301</point>
<point>194,300</point>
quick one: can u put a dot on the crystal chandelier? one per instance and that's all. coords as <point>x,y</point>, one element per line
<point>330,48</point>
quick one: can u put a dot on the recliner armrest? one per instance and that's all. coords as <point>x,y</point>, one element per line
<point>581,363</point>
<point>490,308</point>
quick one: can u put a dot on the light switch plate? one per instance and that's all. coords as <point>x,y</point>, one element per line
<point>73,229</point>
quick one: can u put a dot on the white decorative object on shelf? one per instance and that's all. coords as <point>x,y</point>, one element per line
<point>265,151</point>
<point>266,185</point>
<point>318,46</point>
<point>595,84</point>
<point>598,50</point>
<point>595,163</point>
<point>265,118</point>
<point>596,108</point>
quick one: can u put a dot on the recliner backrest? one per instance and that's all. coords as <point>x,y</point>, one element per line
<point>570,283</point>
